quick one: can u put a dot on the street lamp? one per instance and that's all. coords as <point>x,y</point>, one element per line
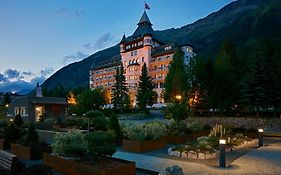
<point>222,143</point>
<point>7,105</point>
<point>260,137</point>
<point>11,120</point>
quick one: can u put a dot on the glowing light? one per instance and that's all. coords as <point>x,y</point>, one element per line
<point>178,97</point>
<point>222,141</point>
<point>260,130</point>
<point>7,105</point>
<point>11,120</point>
<point>37,109</point>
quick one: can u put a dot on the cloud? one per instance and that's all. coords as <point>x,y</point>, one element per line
<point>12,74</point>
<point>103,41</point>
<point>17,81</point>
<point>74,57</point>
<point>47,71</point>
<point>89,48</point>
<point>78,13</point>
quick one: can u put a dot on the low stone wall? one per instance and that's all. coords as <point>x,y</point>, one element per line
<point>239,122</point>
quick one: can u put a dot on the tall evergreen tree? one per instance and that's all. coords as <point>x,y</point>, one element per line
<point>224,85</point>
<point>7,98</point>
<point>120,96</point>
<point>146,95</point>
<point>177,79</point>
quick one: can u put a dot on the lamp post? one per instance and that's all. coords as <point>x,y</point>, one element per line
<point>260,137</point>
<point>222,143</point>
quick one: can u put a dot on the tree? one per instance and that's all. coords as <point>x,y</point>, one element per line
<point>146,95</point>
<point>90,99</point>
<point>7,98</point>
<point>120,96</point>
<point>177,79</point>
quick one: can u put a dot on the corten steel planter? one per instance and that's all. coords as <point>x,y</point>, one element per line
<point>27,152</point>
<point>143,146</point>
<point>71,167</point>
<point>170,139</point>
<point>4,144</point>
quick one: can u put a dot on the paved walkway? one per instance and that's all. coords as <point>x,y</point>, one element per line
<point>264,160</point>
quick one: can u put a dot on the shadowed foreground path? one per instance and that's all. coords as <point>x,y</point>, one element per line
<point>264,160</point>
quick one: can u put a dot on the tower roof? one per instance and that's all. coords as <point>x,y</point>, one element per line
<point>144,27</point>
<point>124,39</point>
<point>144,19</point>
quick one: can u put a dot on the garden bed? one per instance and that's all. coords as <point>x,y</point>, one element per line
<point>180,139</point>
<point>143,146</point>
<point>104,166</point>
<point>27,152</point>
<point>187,153</point>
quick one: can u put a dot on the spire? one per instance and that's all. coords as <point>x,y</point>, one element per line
<point>144,19</point>
<point>124,39</point>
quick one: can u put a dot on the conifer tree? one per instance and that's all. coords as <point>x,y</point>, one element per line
<point>146,95</point>
<point>176,82</point>
<point>120,96</point>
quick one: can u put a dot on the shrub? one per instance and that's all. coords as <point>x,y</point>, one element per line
<point>147,131</point>
<point>46,125</point>
<point>99,143</point>
<point>67,143</point>
<point>83,124</point>
<point>177,111</point>
<point>94,113</point>
<point>99,123</point>
<point>203,143</point>
<point>71,122</point>
<point>108,112</point>
<point>31,136</point>
<point>114,125</point>
<point>12,133</point>
<point>178,128</point>
<point>18,120</point>
<point>194,127</point>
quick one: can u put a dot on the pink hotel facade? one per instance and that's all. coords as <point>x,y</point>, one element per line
<point>142,47</point>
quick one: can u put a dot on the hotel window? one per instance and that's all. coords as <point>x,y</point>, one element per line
<point>142,59</point>
<point>138,60</point>
<point>135,68</point>
<point>136,52</point>
<point>130,62</point>
<point>134,61</point>
<point>136,77</point>
<point>155,67</point>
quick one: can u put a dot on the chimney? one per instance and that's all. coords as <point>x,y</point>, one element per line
<point>38,91</point>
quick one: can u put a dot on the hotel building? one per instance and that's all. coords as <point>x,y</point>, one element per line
<point>142,47</point>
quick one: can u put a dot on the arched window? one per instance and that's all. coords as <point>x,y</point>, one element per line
<point>133,61</point>
<point>130,62</point>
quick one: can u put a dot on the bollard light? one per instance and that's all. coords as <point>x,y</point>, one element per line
<point>260,137</point>
<point>222,143</point>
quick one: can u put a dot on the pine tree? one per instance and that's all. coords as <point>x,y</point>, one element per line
<point>7,98</point>
<point>120,96</point>
<point>176,82</point>
<point>146,95</point>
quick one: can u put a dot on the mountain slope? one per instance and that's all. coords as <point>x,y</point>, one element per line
<point>242,21</point>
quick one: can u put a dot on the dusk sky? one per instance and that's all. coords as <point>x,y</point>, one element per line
<point>39,37</point>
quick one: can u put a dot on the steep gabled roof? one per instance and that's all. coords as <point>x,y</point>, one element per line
<point>144,19</point>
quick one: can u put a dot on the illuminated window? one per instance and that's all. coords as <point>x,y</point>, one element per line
<point>138,60</point>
